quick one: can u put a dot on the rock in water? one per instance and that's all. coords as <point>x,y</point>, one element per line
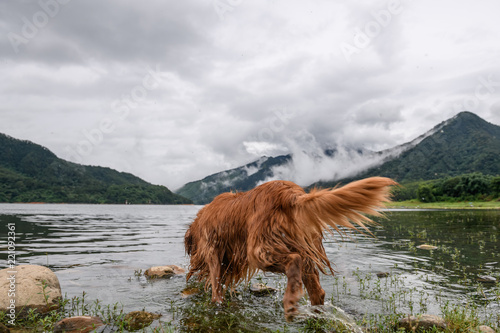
<point>427,247</point>
<point>79,324</point>
<point>422,322</point>
<point>26,287</point>
<point>260,289</point>
<point>164,271</point>
<point>383,274</point>
<point>137,320</point>
<point>190,291</point>
<point>333,319</point>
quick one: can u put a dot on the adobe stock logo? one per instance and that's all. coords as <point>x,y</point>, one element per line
<point>222,7</point>
<point>30,29</point>
<point>363,37</point>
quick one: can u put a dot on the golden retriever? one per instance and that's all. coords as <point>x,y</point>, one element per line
<point>277,227</point>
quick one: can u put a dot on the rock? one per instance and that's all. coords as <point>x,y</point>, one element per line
<point>4,329</point>
<point>137,320</point>
<point>260,289</point>
<point>80,324</point>
<point>32,287</point>
<point>164,271</point>
<point>427,247</point>
<point>382,274</point>
<point>422,322</point>
<point>485,329</point>
<point>336,319</point>
<point>190,291</point>
<point>486,279</point>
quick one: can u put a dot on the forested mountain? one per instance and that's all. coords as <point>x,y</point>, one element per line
<point>32,173</point>
<point>242,179</point>
<point>461,145</point>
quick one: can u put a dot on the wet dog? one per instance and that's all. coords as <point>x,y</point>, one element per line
<point>277,227</point>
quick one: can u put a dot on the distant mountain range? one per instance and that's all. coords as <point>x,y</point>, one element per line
<point>32,173</point>
<point>463,144</point>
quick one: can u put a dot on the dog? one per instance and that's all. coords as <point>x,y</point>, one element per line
<point>278,227</point>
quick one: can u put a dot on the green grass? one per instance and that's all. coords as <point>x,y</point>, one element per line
<point>413,204</point>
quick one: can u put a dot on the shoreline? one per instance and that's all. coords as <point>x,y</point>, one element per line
<point>469,205</point>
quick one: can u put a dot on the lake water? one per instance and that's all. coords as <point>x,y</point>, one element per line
<point>99,249</point>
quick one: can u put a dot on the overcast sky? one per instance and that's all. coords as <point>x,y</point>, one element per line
<point>172,91</point>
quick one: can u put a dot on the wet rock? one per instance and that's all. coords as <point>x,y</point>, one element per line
<point>329,318</point>
<point>164,271</point>
<point>422,322</point>
<point>486,279</point>
<point>485,329</point>
<point>79,324</point>
<point>260,289</point>
<point>137,320</point>
<point>32,286</point>
<point>4,329</point>
<point>382,274</point>
<point>190,291</point>
<point>427,247</point>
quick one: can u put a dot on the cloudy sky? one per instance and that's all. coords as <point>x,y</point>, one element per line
<point>175,90</point>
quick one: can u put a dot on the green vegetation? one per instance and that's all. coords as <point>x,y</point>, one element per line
<point>112,315</point>
<point>445,204</point>
<point>469,190</point>
<point>31,173</point>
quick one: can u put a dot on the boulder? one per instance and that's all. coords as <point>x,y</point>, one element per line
<point>137,320</point>
<point>79,324</point>
<point>422,322</point>
<point>164,271</point>
<point>28,287</point>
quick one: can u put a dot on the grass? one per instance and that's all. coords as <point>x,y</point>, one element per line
<point>413,204</point>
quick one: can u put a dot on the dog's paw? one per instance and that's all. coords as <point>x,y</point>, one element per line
<point>291,311</point>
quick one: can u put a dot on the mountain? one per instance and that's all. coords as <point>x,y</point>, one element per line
<point>32,173</point>
<point>242,178</point>
<point>462,144</point>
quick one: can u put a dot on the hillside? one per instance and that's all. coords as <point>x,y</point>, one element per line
<point>241,179</point>
<point>463,144</point>
<point>32,173</point>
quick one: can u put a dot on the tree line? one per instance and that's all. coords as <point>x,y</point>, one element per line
<point>468,187</point>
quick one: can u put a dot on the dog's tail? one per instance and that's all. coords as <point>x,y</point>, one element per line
<point>341,207</point>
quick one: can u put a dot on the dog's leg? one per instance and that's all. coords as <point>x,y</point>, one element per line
<point>215,268</point>
<point>294,291</point>
<point>311,281</point>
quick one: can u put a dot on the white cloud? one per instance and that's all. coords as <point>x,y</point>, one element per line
<point>223,80</point>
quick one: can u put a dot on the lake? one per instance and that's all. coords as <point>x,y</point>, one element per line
<point>102,249</point>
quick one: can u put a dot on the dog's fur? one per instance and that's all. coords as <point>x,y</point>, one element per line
<point>277,227</point>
